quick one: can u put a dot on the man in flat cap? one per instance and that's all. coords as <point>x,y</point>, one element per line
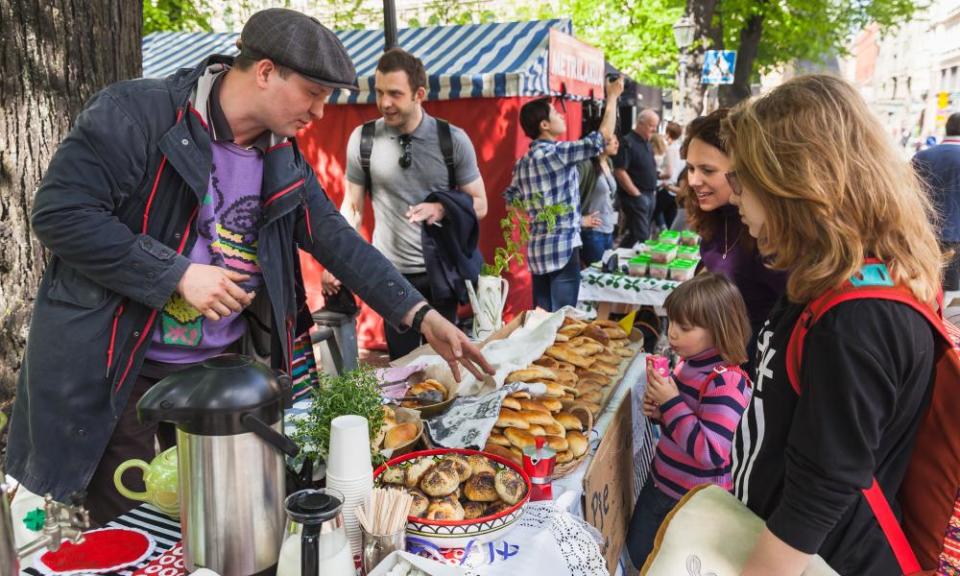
<point>173,212</point>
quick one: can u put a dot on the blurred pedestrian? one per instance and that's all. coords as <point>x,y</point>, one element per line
<point>597,193</point>
<point>939,167</point>
<point>635,169</point>
<point>670,167</point>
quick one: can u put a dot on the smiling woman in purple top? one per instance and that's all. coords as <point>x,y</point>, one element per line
<point>727,247</point>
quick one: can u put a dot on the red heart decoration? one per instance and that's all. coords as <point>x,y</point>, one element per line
<point>104,550</point>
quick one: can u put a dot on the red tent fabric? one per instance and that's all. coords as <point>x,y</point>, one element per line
<point>493,127</point>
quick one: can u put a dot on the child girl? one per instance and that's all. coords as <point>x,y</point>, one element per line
<point>698,406</point>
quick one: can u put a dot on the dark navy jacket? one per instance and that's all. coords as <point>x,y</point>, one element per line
<point>117,210</point>
<point>939,167</point>
<point>450,251</point>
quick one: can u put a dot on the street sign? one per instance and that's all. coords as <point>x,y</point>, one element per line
<point>718,66</point>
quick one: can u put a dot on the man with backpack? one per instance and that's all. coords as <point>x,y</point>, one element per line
<point>421,175</point>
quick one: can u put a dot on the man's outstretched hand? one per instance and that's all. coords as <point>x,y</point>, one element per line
<point>454,346</point>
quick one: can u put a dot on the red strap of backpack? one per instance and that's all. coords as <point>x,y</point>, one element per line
<point>891,528</point>
<point>875,497</point>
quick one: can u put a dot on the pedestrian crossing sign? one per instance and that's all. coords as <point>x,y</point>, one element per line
<point>718,66</point>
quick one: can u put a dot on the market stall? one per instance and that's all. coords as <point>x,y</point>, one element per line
<point>533,529</point>
<point>479,75</point>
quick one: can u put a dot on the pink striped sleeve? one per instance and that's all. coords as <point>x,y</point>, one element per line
<point>707,434</point>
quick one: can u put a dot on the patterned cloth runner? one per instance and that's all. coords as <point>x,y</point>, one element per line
<point>597,286</point>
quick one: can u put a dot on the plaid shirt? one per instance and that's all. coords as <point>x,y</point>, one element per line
<point>549,169</point>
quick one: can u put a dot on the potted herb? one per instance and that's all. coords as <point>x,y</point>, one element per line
<point>356,392</point>
<point>490,296</point>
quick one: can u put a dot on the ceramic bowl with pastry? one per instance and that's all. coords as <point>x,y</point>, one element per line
<point>402,431</point>
<point>429,396</point>
<point>460,496</point>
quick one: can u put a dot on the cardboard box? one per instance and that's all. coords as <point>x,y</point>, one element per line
<point>608,485</point>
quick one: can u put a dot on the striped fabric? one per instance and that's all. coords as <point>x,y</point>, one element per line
<point>164,531</point>
<point>304,374</point>
<point>547,176</point>
<point>470,61</point>
<point>698,426</point>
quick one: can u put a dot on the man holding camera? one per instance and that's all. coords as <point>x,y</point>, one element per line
<point>547,177</point>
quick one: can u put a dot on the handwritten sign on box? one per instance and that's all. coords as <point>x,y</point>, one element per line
<point>608,485</point>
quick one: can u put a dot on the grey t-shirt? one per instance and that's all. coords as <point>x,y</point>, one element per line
<point>601,201</point>
<point>396,189</point>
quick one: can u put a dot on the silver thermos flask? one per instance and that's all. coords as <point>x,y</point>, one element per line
<point>229,417</point>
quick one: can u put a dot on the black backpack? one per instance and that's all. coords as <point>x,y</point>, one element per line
<point>446,148</point>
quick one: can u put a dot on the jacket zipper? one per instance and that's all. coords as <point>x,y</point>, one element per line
<point>156,183</point>
<point>306,209</point>
<point>145,333</point>
<point>113,334</point>
<point>290,346</point>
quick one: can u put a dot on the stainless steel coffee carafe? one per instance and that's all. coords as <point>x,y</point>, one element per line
<point>229,417</point>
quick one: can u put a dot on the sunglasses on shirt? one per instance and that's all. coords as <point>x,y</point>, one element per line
<point>406,160</point>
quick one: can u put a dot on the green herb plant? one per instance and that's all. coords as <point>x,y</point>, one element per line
<point>518,220</point>
<point>356,392</point>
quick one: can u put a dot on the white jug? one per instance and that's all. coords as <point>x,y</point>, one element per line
<point>488,302</point>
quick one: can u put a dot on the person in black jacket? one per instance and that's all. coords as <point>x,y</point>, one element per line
<point>173,212</point>
<point>939,166</point>
<point>822,189</point>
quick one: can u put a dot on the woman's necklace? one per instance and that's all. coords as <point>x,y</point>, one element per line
<point>727,249</point>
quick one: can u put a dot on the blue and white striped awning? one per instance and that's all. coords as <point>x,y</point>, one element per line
<point>470,61</point>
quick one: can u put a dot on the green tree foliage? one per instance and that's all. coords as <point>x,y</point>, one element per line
<point>637,35</point>
<point>769,34</point>
<point>450,12</point>
<point>176,16</point>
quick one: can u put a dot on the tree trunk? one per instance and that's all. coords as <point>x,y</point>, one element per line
<point>708,35</point>
<point>746,55</point>
<point>54,55</point>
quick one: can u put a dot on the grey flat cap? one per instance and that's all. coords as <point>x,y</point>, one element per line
<point>301,43</point>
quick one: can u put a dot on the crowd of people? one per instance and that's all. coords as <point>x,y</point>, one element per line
<point>175,240</point>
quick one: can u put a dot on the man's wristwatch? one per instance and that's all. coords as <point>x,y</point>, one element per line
<point>418,317</point>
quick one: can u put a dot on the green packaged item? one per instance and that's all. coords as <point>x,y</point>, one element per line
<point>638,265</point>
<point>658,270</point>
<point>663,253</point>
<point>689,238</point>
<point>681,270</point>
<point>688,252</point>
<point>670,237</point>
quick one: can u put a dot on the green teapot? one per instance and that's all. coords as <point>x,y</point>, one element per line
<point>160,478</point>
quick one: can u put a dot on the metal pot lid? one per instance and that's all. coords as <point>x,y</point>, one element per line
<point>208,398</point>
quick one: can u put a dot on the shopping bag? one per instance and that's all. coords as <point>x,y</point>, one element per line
<point>710,533</point>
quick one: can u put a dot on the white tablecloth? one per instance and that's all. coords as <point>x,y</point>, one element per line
<point>597,286</point>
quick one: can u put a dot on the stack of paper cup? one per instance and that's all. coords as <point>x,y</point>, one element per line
<point>349,470</point>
